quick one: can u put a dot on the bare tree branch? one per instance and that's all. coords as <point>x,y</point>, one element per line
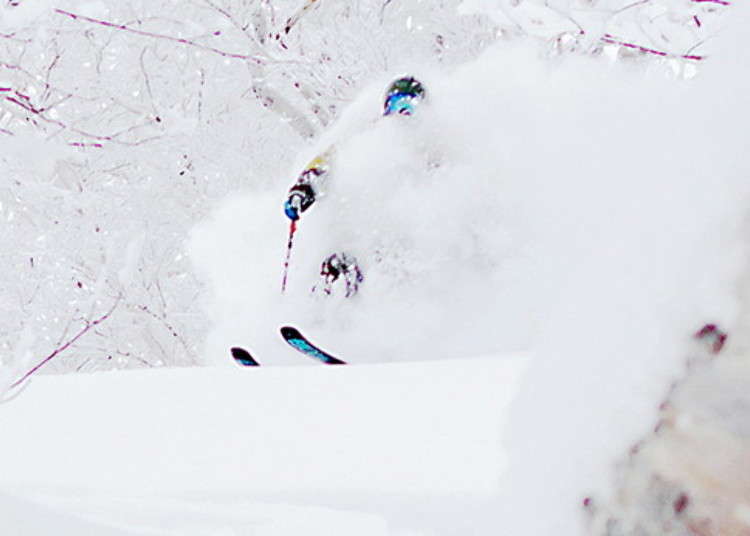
<point>611,39</point>
<point>301,12</point>
<point>68,344</point>
<point>719,2</point>
<point>162,319</point>
<point>24,102</point>
<point>242,28</point>
<point>245,57</point>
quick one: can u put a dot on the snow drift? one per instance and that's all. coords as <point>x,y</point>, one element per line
<point>374,449</point>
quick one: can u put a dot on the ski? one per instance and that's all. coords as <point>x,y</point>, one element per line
<point>299,342</point>
<point>243,357</point>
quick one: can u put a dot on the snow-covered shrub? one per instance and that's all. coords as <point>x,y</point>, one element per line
<point>677,32</point>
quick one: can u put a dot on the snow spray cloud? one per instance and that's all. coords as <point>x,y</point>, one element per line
<point>586,213</point>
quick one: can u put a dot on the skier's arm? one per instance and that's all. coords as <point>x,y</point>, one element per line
<point>308,187</point>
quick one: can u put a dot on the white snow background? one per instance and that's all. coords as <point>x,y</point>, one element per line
<point>572,223</point>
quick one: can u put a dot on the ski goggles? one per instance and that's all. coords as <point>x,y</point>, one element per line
<point>399,103</point>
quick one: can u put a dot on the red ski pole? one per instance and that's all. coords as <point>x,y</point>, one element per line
<point>292,230</point>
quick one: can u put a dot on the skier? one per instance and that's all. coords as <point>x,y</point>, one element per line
<point>401,98</point>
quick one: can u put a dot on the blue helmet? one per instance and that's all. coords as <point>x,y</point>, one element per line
<point>402,96</point>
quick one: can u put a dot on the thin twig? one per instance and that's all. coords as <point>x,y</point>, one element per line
<point>382,10</point>
<point>147,82</point>
<point>611,39</point>
<point>564,15</point>
<point>630,6</point>
<point>242,28</point>
<point>169,327</point>
<point>294,19</point>
<point>719,2</point>
<point>24,101</point>
<point>253,58</point>
<point>69,343</point>
<point>7,398</point>
<point>81,144</point>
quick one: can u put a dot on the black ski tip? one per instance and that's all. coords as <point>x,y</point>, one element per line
<point>288,332</point>
<point>243,357</point>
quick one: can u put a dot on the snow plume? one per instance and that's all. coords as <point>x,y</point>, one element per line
<point>690,475</point>
<point>585,213</point>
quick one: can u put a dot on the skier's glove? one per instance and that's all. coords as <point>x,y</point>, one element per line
<point>301,197</point>
<point>340,266</point>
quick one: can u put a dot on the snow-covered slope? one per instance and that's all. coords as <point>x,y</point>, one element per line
<point>198,451</point>
<point>27,518</point>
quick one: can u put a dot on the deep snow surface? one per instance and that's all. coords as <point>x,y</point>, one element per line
<point>374,449</point>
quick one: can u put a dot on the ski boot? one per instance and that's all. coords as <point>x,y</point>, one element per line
<point>339,265</point>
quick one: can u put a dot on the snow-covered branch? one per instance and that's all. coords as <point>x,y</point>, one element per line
<point>655,29</point>
<point>88,326</point>
<point>612,40</point>
<point>180,40</point>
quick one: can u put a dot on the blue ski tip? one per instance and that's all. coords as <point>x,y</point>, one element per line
<point>243,357</point>
<point>296,340</point>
